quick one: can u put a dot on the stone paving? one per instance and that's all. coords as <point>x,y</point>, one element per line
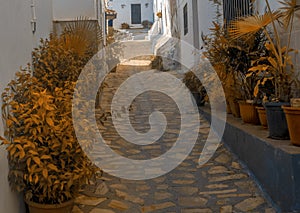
<point>221,185</point>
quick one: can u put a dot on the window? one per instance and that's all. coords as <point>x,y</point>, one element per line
<point>185,19</point>
<point>236,8</point>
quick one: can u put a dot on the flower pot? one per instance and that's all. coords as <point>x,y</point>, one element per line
<point>262,115</point>
<point>277,124</point>
<point>292,115</point>
<point>248,113</point>
<point>65,207</point>
<point>235,108</point>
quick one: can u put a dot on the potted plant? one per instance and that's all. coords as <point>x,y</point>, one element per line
<point>292,114</point>
<point>277,65</point>
<point>46,162</point>
<point>217,51</point>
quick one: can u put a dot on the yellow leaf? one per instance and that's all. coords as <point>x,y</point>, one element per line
<point>28,162</point>
<point>46,157</point>
<point>49,121</point>
<point>52,167</point>
<point>45,173</point>
<point>37,160</point>
<point>36,179</point>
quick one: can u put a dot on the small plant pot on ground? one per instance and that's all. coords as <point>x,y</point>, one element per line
<point>234,107</point>
<point>262,115</point>
<point>292,115</point>
<point>277,124</point>
<point>65,207</point>
<point>248,113</point>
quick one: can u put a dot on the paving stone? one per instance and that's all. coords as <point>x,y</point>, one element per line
<point>115,204</point>
<point>196,211</point>
<point>76,209</point>
<point>229,177</point>
<point>226,209</point>
<point>217,186</point>
<point>101,189</point>
<point>119,186</point>
<point>130,198</point>
<point>89,201</point>
<point>249,204</point>
<point>218,170</point>
<point>186,190</point>
<point>156,207</point>
<point>223,158</point>
<point>184,182</point>
<point>143,188</point>
<point>162,195</point>
<point>97,210</point>
<point>192,201</point>
<point>234,195</point>
<point>162,186</point>
<point>218,192</point>
<point>236,165</point>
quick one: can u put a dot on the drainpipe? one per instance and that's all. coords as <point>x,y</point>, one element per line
<point>33,16</point>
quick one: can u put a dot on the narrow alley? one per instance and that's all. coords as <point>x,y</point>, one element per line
<point>221,185</point>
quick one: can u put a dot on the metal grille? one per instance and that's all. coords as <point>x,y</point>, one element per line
<point>234,9</point>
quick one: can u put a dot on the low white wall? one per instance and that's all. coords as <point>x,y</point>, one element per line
<point>16,42</point>
<point>124,14</point>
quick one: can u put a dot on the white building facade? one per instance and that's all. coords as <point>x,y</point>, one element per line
<point>132,12</point>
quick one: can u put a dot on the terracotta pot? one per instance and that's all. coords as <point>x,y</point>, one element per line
<point>65,207</point>
<point>292,115</point>
<point>234,107</point>
<point>262,115</point>
<point>277,124</point>
<point>248,113</point>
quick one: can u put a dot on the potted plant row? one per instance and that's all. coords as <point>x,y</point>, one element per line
<point>276,65</point>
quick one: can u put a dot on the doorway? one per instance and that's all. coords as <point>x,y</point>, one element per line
<point>136,17</point>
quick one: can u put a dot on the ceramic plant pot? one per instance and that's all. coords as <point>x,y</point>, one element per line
<point>292,115</point>
<point>65,207</point>
<point>277,124</point>
<point>262,115</point>
<point>248,113</point>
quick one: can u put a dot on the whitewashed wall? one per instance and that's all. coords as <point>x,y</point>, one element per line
<point>124,14</point>
<point>16,43</point>
<point>71,9</point>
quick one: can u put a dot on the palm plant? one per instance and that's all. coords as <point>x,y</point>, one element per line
<point>276,65</point>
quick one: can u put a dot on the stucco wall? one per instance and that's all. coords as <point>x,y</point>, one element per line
<point>71,9</point>
<point>124,14</point>
<point>16,44</point>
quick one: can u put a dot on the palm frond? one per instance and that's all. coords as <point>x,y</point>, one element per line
<point>288,10</point>
<point>83,36</point>
<point>250,25</point>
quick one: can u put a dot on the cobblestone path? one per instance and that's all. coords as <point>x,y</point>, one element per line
<point>221,185</point>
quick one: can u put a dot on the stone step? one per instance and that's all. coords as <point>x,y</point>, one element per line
<point>135,65</point>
